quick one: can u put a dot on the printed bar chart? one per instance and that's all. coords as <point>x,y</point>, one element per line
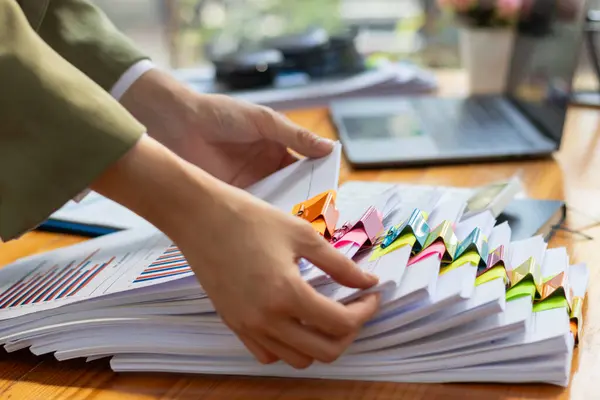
<point>170,263</point>
<point>83,279</point>
<point>22,288</point>
<point>53,284</point>
<point>57,282</point>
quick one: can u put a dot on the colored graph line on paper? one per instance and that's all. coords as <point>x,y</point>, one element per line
<point>81,283</point>
<point>74,274</point>
<point>51,275</point>
<point>52,285</point>
<point>170,263</point>
<point>67,274</point>
<point>77,278</point>
<point>24,288</point>
<point>57,282</point>
<point>12,290</point>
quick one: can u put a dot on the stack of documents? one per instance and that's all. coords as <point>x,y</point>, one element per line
<point>97,215</point>
<point>292,92</point>
<point>460,300</point>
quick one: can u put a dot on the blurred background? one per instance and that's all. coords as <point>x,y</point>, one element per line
<point>183,33</point>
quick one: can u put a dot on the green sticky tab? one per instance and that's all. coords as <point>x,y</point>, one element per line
<point>471,257</point>
<point>445,234</point>
<point>551,303</point>
<point>529,271</point>
<point>416,225</point>
<point>497,272</point>
<point>475,241</point>
<point>521,289</point>
<point>555,287</point>
<point>407,239</point>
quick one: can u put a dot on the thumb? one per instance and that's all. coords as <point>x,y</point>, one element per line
<point>341,269</point>
<point>280,129</point>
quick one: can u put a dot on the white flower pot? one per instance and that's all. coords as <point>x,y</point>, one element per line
<point>485,54</point>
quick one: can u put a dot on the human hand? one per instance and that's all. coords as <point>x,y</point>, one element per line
<point>248,266</point>
<point>245,253</point>
<point>235,141</point>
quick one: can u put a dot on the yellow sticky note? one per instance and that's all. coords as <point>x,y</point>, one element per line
<point>405,240</point>
<point>495,273</point>
<point>469,257</point>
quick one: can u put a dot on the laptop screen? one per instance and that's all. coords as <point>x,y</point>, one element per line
<point>545,57</point>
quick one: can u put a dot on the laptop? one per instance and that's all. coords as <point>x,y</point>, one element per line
<point>526,120</point>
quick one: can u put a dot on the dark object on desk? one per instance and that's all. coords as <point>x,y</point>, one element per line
<point>591,98</point>
<point>525,121</point>
<point>248,69</point>
<point>313,53</point>
<point>318,54</point>
<point>531,217</point>
<point>75,228</point>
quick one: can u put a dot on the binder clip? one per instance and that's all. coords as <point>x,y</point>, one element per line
<point>495,258</point>
<point>444,233</point>
<point>416,225</point>
<point>576,317</point>
<point>320,211</point>
<point>529,271</point>
<point>494,268</point>
<point>364,231</point>
<point>557,286</point>
<point>476,242</point>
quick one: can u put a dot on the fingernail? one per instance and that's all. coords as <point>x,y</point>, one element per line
<point>372,276</point>
<point>321,141</point>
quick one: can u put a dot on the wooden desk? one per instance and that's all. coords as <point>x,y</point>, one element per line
<point>573,175</point>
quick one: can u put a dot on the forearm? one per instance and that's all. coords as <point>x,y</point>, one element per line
<point>160,187</point>
<point>162,104</point>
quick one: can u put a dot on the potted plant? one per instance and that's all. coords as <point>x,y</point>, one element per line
<point>486,39</point>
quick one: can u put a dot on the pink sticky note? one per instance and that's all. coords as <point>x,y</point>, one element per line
<point>437,248</point>
<point>358,236</point>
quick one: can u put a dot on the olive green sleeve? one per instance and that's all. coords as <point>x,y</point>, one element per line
<point>83,35</point>
<point>59,130</point>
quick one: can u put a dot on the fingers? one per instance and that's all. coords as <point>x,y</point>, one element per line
<point>291,356</point>
<point>280,129</point>
<point>263,355</point>
<point>300,343</point>
<point>309,342</point>
<point>341,269</point>
<point>364,308</point>
<point>288,159</point>
<point>332,317</point>
<point>311,327</point>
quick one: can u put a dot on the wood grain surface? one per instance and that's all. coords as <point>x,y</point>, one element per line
<point>573,174</point>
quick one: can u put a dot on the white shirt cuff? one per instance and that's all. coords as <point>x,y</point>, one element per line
<point>129,77</point>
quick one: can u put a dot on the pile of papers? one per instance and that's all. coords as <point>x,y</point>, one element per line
<point>95,215</point>
<point>292,92</point>
<point>460,300</point>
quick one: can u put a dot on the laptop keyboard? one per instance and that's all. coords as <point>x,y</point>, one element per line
<point>480,122</point>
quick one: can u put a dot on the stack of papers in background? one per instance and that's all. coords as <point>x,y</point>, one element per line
<point>291,92</point>
<point>461,300</point>
<point>505,199</point>
<point>96,215</point>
